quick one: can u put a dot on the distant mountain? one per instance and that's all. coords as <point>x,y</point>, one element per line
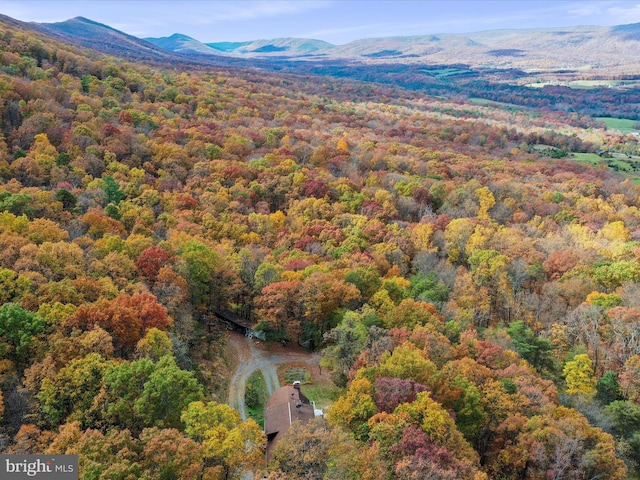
<point>289,47</point>
<point>278,47</point>
<point>181,49</point>
<point>589,48</point>
<point>227,46</point>
<point>184,44</point>
<point>627,32</point>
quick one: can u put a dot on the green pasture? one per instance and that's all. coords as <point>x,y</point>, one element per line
<point>322,393</point>
<point>486,101</point>
<point>445,72</point>
<point>623,125</point>
<point>590,158</point>
<point>628,166</point>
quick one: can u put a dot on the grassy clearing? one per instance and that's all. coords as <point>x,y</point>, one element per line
<point>590,158</point>
<point>623,125</point>
<point>256,397</point>
<point>322,394</point>
<point>321,391</point>
<point>257,414</point>
<point>621,165</point>
<point>628,166</point>
<point>485,101</point>
<point>290,372</point>
<point>445,72</point>
<point>588,84</point>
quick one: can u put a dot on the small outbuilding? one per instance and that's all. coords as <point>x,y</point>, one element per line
<point>285,406</point>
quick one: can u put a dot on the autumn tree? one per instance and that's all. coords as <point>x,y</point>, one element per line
<point>578,374</point>
<point>410,313</point>
<point>354,408</point>
<point>389,393</point>
<point>228,441</point>
<point>280,308</point>
<point>630,379</point>
<point>317,450</point>
<point>168,453</point>
<point>322,295</point>
<point>154,345</point>
<point>344,344</point>
<point>70,395</point>
<point>200,265</point>
<point>126,318</point>
<point>151,260</point>
<point>564,445</point>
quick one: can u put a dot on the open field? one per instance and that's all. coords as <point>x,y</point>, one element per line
<point>485,101</point>
<point>590,158</point>
<point>317,387</point>
<point>587,84</point>
<point>623,125</point>
<point>628,166</point>
<point>322,392</point>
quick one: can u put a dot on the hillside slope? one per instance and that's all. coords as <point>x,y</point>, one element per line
<point>103,38</point>
<point>469,284</point>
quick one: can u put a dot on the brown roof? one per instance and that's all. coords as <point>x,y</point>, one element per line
<point>285,406</point>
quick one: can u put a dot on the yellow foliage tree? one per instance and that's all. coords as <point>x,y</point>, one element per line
<point>43,152</point>
<point>228,441</point>
<point>437,423</point>
<point>614,231</point>
<point>578,374</point>
<point>354,408</point>
<point>486,200</point>
<point>456,235</point>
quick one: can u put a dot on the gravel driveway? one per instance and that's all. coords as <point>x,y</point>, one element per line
<point>257,355</point>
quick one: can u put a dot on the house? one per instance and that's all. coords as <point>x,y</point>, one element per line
<point>285,406</point>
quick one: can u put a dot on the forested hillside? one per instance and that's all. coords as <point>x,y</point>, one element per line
<point>476,299</point>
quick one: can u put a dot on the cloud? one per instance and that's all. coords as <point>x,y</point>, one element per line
<point>585,11</point>
<point>192,17</point>
<point>249,10</point>
<point>31,11</point>
<point>625,14</point>
<point>338,31</point>
<point>165,13</point>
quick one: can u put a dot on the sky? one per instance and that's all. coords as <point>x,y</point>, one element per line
<point>335,21</point>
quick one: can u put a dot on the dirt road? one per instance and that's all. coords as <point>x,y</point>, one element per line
<point>256,355</point>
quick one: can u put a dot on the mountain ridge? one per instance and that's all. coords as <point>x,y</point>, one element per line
<point>578,47</point>
<point>541,55</point>
<point>106,39</point>
<point>181,43</point>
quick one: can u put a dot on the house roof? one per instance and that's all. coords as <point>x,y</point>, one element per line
<point>285,406</point>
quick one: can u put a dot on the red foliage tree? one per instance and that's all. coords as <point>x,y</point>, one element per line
<point>391,392</point>
<point>151,260</point>
<point>126,318</point>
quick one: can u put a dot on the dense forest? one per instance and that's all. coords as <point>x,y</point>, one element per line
<point>477,301</point>
<point>499,85</point>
